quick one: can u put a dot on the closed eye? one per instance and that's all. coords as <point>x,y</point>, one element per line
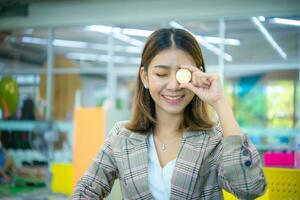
<point>161,75</point>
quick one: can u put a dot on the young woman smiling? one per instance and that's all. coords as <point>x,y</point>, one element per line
<point>170,148</point>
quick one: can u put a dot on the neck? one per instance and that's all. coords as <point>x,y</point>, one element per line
<point>167,125</point>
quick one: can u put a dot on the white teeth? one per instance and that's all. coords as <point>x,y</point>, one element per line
<point>172,97</point>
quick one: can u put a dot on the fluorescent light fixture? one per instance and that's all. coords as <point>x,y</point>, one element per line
<point>56,42</point>
<point>80,44</point>
<point>214,40</point>
<point>27,79</point>
<point>116,32</point>
<point>103,58</point>
<point>34,40</point>
<point>283,21</point>
<point>268,37</point>
<point>212,48</point>
<point>126,31</point>
<point>147,33</point>
<point>128,39</point>
<point>262,18</point>
<point>70,43</point>
<point>99,28</point>
<point>227,41</point>
<point>128,49</point>
<point>204,42</point>
<point>137,32</point>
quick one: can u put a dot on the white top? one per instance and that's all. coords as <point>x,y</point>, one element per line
<point>159,178</point>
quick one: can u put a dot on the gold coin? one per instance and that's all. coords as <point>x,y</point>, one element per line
<point>183,76</point>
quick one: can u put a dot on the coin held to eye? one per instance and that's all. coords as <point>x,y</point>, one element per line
<point>183,76</point>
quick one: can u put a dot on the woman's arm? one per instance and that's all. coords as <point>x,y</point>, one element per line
<point>239,165</point>
<point>226,118</point>
<point>240,168</point>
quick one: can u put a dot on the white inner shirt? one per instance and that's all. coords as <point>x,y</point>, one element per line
<point>159,178</point>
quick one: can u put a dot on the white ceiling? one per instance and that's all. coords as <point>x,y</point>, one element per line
<point>254,52</point>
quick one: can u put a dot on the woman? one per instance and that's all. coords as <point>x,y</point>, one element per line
<point>7,167</point>
<point>170,149</point>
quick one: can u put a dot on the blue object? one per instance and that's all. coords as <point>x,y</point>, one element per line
<point>255,139</point>
<point>248,163</point>
<point>284,139</point>
<point>2,158</point>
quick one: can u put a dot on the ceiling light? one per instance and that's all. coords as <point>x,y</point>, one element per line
<point>203,42</point>
<point>117,33</point>
<point>262,18</point>
<point>268,37</point>
<point>290,22</point>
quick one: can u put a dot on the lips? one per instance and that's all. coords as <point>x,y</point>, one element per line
<point>173,99</point>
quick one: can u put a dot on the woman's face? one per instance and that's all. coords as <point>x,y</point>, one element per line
<point>162,83</point>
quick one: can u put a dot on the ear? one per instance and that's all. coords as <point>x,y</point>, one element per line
<point>144,77</point>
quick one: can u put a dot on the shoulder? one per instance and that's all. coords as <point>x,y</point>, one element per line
<point>119,133</point>
<point>117,130</point>
<point>114,137</point>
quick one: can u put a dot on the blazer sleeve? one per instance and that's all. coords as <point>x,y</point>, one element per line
<point>240,168</point>
<point>98,180</point>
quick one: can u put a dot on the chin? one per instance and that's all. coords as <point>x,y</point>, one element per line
<point>173,111</point>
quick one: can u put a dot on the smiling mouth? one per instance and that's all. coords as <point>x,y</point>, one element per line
<point>173,99</point>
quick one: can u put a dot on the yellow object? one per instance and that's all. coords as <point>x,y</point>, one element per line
<point>62,178</point>
<point>229,196</point>
<point>89,134</point>
<point>282,184</point>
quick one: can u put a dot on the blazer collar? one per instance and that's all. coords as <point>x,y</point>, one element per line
<point>134,138</point>
<point>188,162</point>
<point>138,138</point>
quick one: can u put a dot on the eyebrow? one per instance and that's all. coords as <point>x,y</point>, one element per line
<point>162,66</point>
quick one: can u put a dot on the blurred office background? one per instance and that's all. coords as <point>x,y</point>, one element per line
<point>59,56</point>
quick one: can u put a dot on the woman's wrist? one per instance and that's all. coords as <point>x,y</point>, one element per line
<point>220,104</point>
<point>228,122</point>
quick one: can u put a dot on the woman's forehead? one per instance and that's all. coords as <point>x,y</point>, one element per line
<point>171,58</point>
<point>166,67</point>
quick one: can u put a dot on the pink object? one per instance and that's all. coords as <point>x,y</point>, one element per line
<point>279,159</point>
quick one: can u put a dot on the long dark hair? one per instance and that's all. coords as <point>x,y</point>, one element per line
<point>143,111</point>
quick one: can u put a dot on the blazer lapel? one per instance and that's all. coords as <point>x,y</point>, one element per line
<point>188,164</point>
<point>135,162</point>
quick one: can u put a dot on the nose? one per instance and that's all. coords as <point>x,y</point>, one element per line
<point>172,83</point>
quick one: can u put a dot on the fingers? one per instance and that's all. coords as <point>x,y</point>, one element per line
<point>213,77</point>
<point>200,79</point>
<point>189,86</point>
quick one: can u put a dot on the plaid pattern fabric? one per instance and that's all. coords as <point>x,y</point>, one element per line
<point>206,163</point>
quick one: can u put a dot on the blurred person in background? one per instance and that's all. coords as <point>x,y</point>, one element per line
<point>7,167</point>
<point>171,148</point>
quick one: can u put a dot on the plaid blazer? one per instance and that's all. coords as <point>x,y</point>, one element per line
<point>206,163</point>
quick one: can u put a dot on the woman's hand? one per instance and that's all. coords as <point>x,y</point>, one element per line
<point>206,86</point>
